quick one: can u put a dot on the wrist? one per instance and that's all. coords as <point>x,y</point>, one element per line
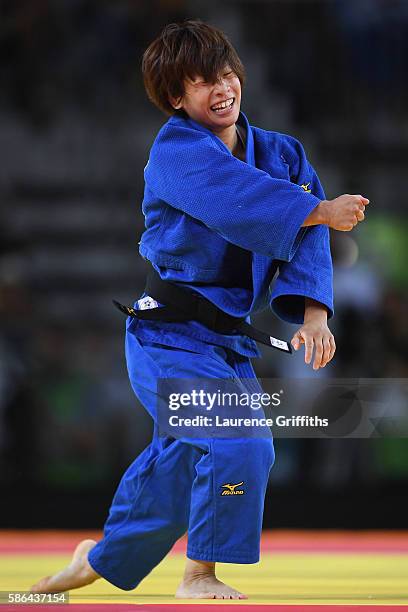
<point>314,311</point>
<point>318,216</point>
<point>322,213</point>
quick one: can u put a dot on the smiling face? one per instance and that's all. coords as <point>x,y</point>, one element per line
<point>191,67</point>
<point>214,105</point>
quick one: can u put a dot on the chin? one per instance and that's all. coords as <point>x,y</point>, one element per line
<point>230,121</point>
<point>227,121</point>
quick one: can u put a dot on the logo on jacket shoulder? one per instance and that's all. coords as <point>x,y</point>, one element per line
<point>230,489</point>
<point>305,186</point>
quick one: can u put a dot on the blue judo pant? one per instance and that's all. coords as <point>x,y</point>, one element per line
<point>175,485</point>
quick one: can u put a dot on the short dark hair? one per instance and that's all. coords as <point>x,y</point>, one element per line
<point>186,50</point>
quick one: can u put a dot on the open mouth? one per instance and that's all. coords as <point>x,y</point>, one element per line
<point>223,107</point>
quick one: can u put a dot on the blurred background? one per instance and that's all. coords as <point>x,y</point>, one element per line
<point>75,131</point>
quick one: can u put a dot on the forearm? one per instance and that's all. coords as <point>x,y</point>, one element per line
<point>315,311</point>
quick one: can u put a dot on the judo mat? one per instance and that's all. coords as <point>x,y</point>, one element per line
<point>299,570</point>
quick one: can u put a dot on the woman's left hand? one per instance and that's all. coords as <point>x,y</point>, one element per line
<point>315,335</point>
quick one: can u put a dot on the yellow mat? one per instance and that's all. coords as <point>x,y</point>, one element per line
<point>280,578</point>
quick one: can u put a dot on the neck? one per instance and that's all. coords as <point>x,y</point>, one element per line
<point>228,136</point>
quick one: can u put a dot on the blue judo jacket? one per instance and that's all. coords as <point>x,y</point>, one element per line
<point>216,224</point>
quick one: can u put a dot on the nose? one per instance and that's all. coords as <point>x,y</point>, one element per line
<point>222,92</point>
<point>223,84</point>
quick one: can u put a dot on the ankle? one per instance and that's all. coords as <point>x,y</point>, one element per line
<point>85,570</point>
<point>198,569</point>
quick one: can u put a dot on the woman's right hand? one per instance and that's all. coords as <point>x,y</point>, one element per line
<point>342,213</point>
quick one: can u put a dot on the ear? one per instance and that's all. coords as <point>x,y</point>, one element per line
<point>176,103</point>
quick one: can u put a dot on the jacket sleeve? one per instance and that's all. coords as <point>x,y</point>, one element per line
<point>310,272</point>
<point>190,171</point>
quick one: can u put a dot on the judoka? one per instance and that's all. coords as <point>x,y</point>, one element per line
<point>226,205</point>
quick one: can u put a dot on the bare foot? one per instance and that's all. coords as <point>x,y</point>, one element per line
<point>200,582</point>
<point>78,573</point>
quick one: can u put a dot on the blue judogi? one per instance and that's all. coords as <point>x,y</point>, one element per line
<point>216,225</point>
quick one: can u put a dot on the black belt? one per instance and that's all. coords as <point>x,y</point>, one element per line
<point>185,305</point>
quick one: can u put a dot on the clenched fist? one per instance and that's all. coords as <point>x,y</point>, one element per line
<point>342,213</point>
